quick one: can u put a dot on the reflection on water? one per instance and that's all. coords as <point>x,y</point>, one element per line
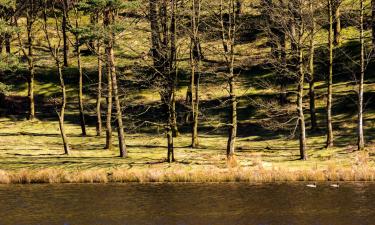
<point>187,204</point>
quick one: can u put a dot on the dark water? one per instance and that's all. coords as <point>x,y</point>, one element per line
<point>187,204</point>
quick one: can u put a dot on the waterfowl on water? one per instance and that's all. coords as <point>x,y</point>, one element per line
<point>311,185</point>
<point>335,185</point>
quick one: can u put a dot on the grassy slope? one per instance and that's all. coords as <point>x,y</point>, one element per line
<point>38,145</point>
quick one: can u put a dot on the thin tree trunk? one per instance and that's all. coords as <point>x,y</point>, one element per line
<point>195,57</point>
<point>188,101</point>
<point>61,114</point>
<point>109,20</point>
<point>194,87</point>
<point>329,142</point>
<point>7,43</point>
<point>337,23</point>
<point>99,94</point>
<point>283,98</point>
<point>30,80</point>
<point>64,31</point>
<point>175,131</point>
<point>1,43</point>
<point>80,89</point>
<point>170,154</point>
<point>108,132</point>
<point>361,139</point>
<point>228,41</point>
<point>109,88</point>
<point>195,141</point>
<point>155,33</point>
<point>120,128</point>
<point>239,7</point>
<point>30,91</point>
<point>233,119</point>
<point>300,87</point>
<point>301,116</point>
<point>293,33</point>
<point>173,67</point>
<point>314,125</point>
<point>55,54</point>
<point>169,127</point>
<point>93,21</point>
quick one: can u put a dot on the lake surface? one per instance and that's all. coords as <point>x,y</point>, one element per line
<point>187,204</point>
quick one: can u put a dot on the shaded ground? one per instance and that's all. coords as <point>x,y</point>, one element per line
<point>31,145</point>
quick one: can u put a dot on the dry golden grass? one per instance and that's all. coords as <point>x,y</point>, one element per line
<point>180,174</point>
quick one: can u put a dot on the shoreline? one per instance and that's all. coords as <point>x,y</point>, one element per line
<point>173,175</point>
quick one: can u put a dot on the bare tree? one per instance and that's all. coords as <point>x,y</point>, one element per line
<point>290,19</point>
<point>54,49</point>
<point>77,35</point>
<point>361,139</point>
<point>195,60</point>
<point>31,9</point>
<point>228,23</point>
<point>329,141</point>
<point>109,20</point>
<point>163,23</point>
<point>311,70</point>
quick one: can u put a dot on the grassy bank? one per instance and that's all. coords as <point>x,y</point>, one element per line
<point>183,174</point>
<point>31,152</point>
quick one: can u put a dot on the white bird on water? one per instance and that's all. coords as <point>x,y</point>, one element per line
<point>311,185</point>
<point>335,185</point>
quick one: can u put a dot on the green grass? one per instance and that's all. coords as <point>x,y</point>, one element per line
<point>37,145</point>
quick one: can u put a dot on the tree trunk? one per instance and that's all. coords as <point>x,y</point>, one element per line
<point>175,132</point>
<point>301,116</point>
<point>99,94</point>
<point>30,80</point>
<point>314,125</point>
<point>7,43</point>
<point>61,114</point>
<point>283,98</point>
<point>173,67</point>
<point>195,58</point>
<point>232,119</point>
<point>228,33</point>
<point>1,43</point>
<point>361,139</point>
<point>109,87</point>
<point>120,128</point>
<point>170,156</point>
<point>80,89</point>
<point>336,23</point>
<point>109,20</point>
<point>30,91</point>
<point>329,142</point>
<point>239,8</point>
<point>169,127</point>
<point>64,31</point>
<point>188,101</point>
<point>93,21</point>
<point>195,141</point>
<point>155,33</point>
<point>194,87</point>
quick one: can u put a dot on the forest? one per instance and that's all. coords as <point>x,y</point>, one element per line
<point>186,90</point>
